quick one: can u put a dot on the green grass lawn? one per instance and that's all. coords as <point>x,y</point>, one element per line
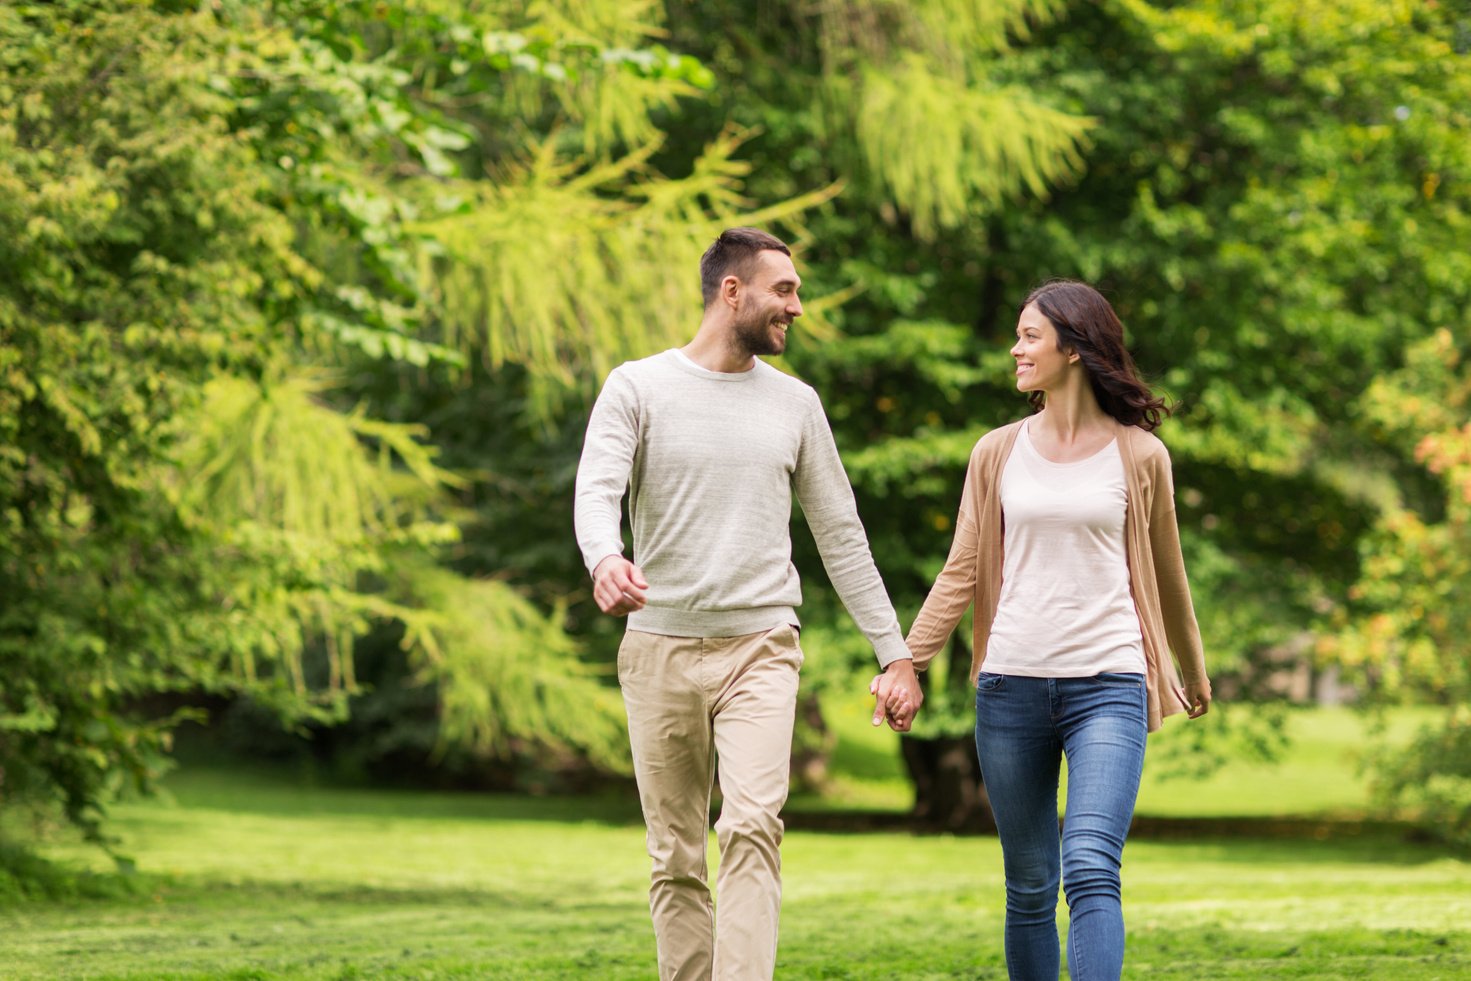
<point>250,875</point>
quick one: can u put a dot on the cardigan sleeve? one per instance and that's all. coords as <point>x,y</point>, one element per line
<point>954,588</point>
<point>1176,608</point>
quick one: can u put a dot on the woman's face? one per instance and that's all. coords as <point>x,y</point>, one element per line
<point>1039,364</point>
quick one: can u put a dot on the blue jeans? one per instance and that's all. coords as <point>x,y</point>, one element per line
<point>1023,728</point>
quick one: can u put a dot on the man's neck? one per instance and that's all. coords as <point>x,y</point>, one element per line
<point>713,349</point>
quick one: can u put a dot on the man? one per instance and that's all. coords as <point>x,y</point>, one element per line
<point>711,443</point>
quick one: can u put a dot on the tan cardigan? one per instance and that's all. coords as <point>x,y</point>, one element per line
<point>1156,567</point>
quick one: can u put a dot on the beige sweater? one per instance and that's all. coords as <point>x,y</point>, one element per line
<point>1152,543</point>
<point>711,461</point>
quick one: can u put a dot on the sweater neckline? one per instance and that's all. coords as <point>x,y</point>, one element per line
<point>685,362</point>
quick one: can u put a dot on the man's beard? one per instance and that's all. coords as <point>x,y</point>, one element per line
<point>759,336</point>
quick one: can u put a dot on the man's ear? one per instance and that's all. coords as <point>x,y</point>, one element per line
<point>730,288</point>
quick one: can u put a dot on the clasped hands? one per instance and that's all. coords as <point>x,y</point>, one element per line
<point>896,695</point>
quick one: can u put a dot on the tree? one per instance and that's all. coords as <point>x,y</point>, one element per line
<point>1274,198</point>
<point>566,259</point>
<point>207,232</point>
<point>925,126</point>
<point>1402,636</point>
<point>1277,199</point>
<point>141,262</point>
<point>544,244</point>
<point>263,257</point>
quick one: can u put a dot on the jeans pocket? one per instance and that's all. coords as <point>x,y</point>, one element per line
<point>1117,679</point>
<point>986,681</point>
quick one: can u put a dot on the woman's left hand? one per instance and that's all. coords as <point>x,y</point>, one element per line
<point>1198,698</point>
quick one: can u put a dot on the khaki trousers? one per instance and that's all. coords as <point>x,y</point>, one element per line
<point>690,699</point>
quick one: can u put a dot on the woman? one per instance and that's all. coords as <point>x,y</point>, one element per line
<point>1067,543</point>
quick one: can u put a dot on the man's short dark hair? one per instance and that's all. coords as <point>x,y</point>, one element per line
<point>734,254</point>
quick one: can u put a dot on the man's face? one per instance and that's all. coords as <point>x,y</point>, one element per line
<point>767,304</point>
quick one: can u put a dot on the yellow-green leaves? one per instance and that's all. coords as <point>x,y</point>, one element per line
<point>567,267</point>
<point>949,148</point>
<point>913,86</point>
<point>507,673</point>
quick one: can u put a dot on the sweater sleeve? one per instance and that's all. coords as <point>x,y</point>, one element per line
<point>603,471</point>
<point>822,488</point>
<point>955,586</point>
<point>1181,629</point>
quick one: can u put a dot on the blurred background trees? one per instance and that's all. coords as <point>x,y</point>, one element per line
<point>303,306</point>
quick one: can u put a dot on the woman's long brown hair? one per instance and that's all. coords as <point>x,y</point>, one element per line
<point>1086,322</point>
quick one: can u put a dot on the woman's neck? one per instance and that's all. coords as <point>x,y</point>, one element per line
<point>1072,415</point>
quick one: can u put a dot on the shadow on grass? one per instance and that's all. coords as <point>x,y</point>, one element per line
<point>50,882</point>
<point>27,877</point>
<point>279,793</point>
<point>260,894</point>
<point>1392,841</point>
<point>274,793</point>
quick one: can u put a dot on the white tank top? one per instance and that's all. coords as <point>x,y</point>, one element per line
<point>1065,609</point>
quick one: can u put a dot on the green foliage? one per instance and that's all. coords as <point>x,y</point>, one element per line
<point>911,92</point>
<point>944,149</point>
<point>140,262</point>
<point>25,877</point>
<point>305,517</point>
<point>1431,778</point>
<point>508,676</point>
<point>305,303</point>
<point>199,208</point>
<point>1404,634</point>
<point>568,269</point>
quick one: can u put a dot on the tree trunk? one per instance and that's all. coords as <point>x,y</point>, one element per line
<point>812,745</point>
<point>949,794</point>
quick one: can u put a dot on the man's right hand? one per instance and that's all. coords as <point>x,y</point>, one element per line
<point>618,586</point>
<point>897,695</point>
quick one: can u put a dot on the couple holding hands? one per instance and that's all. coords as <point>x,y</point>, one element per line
<point>1066,542</point>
